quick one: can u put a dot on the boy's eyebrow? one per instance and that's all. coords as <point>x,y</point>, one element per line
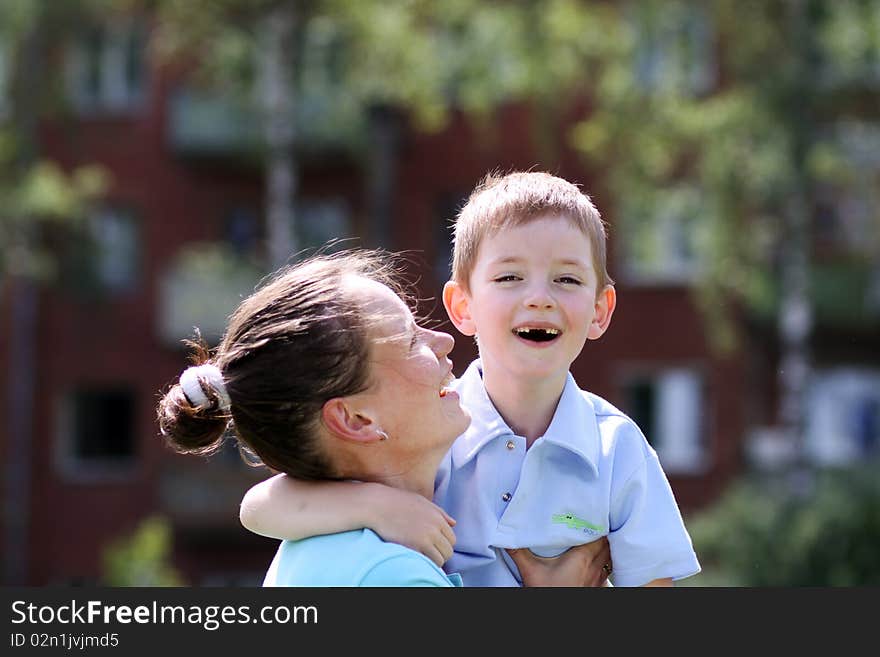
<point>516,259</point>
<point>505,260</point>
<point>575,262</point>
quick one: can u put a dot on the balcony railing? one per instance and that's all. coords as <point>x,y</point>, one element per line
<point>201,289</point>
<point>212,124</point>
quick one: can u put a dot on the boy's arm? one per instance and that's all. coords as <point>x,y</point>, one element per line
<point>650,543</point>
<point>286,508</point>
<point>665,582</point>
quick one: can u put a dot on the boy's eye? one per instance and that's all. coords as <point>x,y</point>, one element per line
<point>506,278</point>
<point>569,280</point>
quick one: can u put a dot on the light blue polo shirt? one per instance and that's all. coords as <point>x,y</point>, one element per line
<point>591,474</point>
<point>354,558</point>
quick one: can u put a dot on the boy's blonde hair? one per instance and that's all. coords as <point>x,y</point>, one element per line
<point>515,199</point>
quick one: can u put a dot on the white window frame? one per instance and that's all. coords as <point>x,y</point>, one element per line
<point>673,256</point>
<point>115,94</point>
<point>832,398</point>
<point>104,223</point>
<point>679,437</point>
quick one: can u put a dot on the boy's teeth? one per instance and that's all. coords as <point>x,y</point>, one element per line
<point>537,334</point>
<point>550,331</point>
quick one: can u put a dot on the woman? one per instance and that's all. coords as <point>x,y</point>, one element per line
<point>324,374</point>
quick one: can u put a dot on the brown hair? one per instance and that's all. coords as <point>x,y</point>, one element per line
<point>298,341</point>
<point>518,198</point>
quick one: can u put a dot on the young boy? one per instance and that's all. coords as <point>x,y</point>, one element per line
<point>543,465</point>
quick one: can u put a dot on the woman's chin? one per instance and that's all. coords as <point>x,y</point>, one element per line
<point>462,422</point>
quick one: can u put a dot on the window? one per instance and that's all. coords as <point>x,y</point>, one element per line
<point>661,237</point>
<point>116,235</point>
<point>241,228</point>
<point>854,205</point>
<point>675,48</point>
<point>843,415</point>
<point>105,257</point>
<point>97,426</point>
<point>106,67</point>
<point>320,220</point>
<point>669,408</point>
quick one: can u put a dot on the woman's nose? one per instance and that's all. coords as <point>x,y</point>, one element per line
<point>442,343</point>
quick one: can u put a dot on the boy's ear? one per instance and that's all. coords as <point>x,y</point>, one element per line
<point>344,420</point>
<point>457,303</point>
<point>605,304</point>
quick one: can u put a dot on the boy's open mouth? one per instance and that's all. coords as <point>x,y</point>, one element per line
<point>537,334</point>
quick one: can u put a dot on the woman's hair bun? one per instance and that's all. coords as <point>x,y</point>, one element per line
<point>194,413</point>
<point>191,429</point>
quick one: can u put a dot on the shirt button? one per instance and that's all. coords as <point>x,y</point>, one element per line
<point>506,497</point>
<point>511,444</point>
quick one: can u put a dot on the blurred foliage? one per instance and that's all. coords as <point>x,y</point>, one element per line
<point>711,114</point>
<point>760,533</point>
<point>143,558</point>
<point>425,56</point>
<point>33,190</point>
<point>720,114</point>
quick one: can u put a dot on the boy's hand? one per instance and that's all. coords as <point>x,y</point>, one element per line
<point>411,520</point>
<point>582,565</point>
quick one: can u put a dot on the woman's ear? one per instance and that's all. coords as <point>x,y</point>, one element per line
<point>457,302</point>
<point>344,420</point>
<point>606,302</point>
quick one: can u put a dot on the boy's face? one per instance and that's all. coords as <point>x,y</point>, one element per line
<point>533,301</point>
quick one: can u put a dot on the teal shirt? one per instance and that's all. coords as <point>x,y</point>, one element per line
<point>355,558</point>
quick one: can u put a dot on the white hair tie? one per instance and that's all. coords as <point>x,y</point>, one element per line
<point>190,382</point>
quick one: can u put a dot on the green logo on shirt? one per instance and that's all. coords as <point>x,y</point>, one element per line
<point>574,522</point>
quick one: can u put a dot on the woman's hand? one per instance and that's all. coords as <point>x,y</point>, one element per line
<point>583,565</point>
<point>412,520</point>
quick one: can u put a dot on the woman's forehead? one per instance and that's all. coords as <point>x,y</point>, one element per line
<point>381,302</point>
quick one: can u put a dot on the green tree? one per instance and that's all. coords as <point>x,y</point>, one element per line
<point>733,117</point>
<point>760,534</point>
<point>142,558</point>
<point>331,65</point>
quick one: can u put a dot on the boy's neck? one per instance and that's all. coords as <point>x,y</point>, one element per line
<point>526,406</point>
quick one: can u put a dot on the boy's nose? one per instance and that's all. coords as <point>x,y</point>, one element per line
<point>539,298</point>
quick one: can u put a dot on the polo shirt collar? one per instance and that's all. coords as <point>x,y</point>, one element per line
<point>486,422</point>
<point>573,426</point>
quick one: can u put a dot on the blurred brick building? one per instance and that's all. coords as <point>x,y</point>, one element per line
<point>184,173</point>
